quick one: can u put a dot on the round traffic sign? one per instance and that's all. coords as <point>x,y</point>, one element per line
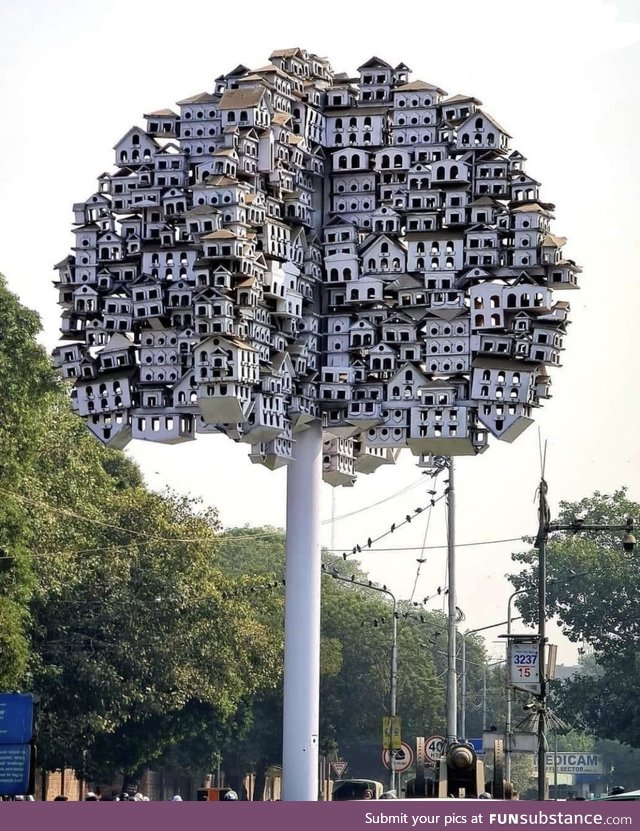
<point>398,760</point>
<point>433,748</point>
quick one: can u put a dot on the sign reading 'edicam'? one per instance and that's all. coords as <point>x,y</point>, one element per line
<point>574,762</point>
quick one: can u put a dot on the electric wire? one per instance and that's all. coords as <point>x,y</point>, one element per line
<point>394,527</point>
<point>437,547</point>
<point>421,560</point>
<point>219,538</point>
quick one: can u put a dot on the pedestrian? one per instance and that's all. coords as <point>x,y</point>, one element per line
<point>176,798</point>
<point>368,794</point>
<point>91,797</point>
<point>229,796</point>
<point>60,798</point>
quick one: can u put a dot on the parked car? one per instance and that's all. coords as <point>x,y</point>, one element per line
<point>345,789</point>
<point>625,796</point>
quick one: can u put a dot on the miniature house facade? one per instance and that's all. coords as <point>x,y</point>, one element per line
<point>296,245</point>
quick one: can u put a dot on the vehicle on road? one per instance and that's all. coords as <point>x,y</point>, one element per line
<point>625,796</point>
<point>349,789</point>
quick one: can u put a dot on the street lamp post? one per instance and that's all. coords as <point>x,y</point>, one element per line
<point>463,683</point>
<point>485,667</point>
<point>508,725</point>
<point>393,681</point>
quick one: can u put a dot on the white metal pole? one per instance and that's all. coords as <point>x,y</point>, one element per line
<point>302,620</point>
<point>452,697</point>
<point>333,520</point>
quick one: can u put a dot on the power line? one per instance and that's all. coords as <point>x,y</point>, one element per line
<point>219,538</point>
<point>149,538</point>
<point>434,547</point>
<point>421,560</point>
<point>408,518</point>
<point>374,504</point>
<point>104,523</point>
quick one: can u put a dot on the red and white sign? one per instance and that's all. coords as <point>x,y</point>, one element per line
<point>398,760</point>
<point>339,768</point>
<point>433,749</point>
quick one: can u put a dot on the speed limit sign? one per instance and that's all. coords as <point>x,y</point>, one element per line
<point>433,749</point>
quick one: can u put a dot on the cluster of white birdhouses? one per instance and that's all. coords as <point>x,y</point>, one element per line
<point>299,245</point>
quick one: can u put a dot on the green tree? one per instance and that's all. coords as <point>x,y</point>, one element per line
<point>28,386</point>
<point>138,646</point>
<point>255,556</point>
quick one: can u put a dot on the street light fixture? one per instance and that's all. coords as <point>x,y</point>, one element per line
<point>393,692</point>
<point>463,713</point>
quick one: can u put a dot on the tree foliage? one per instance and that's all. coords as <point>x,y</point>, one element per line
<point>28,387</point>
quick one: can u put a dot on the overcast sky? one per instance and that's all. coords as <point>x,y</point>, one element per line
<point>559,75</point>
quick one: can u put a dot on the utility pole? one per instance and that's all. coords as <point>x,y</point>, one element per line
<point>452,700</point>
<point>541,545</point>
<point>545,527</point>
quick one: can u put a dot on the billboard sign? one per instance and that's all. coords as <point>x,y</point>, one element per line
<point>524,669</point>
<point>574,762</point>
<point>15,769</point>
<point>16,718</point>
